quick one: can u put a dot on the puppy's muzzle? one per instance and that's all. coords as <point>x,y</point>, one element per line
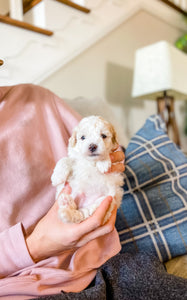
<point>92,148</point>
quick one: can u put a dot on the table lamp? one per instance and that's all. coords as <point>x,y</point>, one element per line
<point>161,73</point>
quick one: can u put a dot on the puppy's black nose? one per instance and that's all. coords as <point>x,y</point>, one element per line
<point>93,147</point>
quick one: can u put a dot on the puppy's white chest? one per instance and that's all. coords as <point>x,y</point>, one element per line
<point>87,180</point>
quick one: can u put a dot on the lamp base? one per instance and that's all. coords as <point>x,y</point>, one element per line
<point>165,107</point>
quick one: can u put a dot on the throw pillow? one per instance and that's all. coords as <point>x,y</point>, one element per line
<point>153,214</point>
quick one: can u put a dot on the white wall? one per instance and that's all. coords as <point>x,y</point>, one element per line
<point>106,70</point>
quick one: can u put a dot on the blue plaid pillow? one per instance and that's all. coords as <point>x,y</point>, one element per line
<point>153,214</point>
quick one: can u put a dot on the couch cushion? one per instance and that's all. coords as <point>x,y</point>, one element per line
<point>153,214</point>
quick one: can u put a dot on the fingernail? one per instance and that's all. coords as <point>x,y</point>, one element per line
<point>110,198</point>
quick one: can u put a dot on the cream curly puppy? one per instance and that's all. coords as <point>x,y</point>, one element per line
<point>85,169</point>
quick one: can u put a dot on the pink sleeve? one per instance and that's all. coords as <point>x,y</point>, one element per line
<point>14,255</point>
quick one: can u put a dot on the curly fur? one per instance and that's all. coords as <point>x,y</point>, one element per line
<point>85,169</point>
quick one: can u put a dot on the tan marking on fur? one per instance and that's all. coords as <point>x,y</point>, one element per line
<point>73,138</point>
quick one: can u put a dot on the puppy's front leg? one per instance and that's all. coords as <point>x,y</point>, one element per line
<point>103,165</point>
<point>88,211</point>
<point>61,171</point>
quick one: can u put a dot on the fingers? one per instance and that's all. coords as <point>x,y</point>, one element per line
<point>120,167</point>
<point>117,159</point>
<point>67,189</point>
<point>96,220</point>
<point>117,156</point>
<point>100,231</point>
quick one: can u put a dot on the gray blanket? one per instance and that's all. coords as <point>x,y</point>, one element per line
<point>131,277</point>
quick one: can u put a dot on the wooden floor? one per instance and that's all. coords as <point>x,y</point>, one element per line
<point>178,266</point>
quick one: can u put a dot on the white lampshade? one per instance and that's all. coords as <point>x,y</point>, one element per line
<point>160,67</point>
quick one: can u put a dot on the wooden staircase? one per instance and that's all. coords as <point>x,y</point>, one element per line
<point>33,54</point>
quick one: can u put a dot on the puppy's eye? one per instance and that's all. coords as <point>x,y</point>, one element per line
<point>103,136</point>
<point>82,137</point>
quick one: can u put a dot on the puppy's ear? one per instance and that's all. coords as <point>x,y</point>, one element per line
<point>73,139</point>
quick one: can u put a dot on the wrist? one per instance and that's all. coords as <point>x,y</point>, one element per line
<point>33,248</point>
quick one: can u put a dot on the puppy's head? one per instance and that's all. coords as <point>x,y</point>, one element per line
<point>94,138</point>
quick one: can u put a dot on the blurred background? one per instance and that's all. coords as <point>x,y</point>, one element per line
<point>90,52</point>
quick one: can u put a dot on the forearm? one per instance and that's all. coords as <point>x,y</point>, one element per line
<point>14,254</point>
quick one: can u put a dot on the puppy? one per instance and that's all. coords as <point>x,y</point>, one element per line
<point>85,169</point>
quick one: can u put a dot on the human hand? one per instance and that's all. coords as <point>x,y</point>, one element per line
<point>117,158</point>
<point>51,236</point>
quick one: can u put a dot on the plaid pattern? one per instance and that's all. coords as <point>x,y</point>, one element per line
<point>153,214</point>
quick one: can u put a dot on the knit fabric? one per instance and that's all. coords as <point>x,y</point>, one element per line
<point>131,277</point>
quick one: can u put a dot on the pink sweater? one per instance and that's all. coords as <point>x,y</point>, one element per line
<point>35,126</point>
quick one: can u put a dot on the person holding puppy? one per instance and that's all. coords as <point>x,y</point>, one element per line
<point>42,257</point>
<point>35,244</point>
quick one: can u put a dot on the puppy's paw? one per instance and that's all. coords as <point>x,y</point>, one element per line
<point>65,214</point>
<point>61,171</point>
<point>69,215</point>
<point>65,200</point>
<point>109,212</point>
<point>104,165</point>
<point>68,211</point>
<point>88,211</point>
